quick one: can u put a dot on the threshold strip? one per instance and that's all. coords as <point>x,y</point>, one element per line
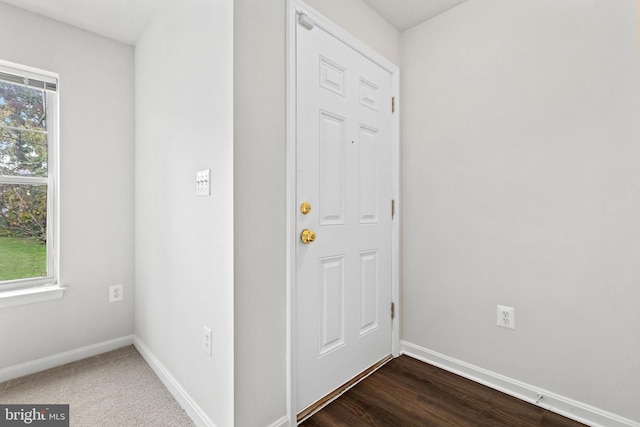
<point>324,401</point>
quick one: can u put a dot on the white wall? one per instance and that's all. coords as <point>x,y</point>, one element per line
<point>184,243</point>
<point>259,167</point>
<point>259,180</point>
<point>522,188</point>
<point>96,181</point>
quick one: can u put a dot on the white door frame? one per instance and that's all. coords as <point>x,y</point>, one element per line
<point>294,7</point>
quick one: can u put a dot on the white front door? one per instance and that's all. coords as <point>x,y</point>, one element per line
<point>344,173</point>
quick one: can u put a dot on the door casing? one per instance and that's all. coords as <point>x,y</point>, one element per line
<point>294,8</point>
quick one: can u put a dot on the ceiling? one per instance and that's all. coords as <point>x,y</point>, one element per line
<point>122,20</point>
<point>125,20</point>
<point>404,14</point>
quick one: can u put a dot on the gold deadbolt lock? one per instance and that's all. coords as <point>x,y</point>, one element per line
<point>307,236</point>
<point>305,208</point>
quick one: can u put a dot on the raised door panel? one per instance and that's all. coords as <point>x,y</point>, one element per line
<point>332,76</point>
<point>331,299</point>
<point>332,169</point>
<point>368,183</point>
<point>369,281</point>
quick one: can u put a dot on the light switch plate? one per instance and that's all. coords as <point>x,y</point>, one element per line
<point>203,182</point>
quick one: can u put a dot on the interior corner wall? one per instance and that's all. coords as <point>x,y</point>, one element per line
<point>259,202</point>
<point>260,193</point>
<point>184,243</point>
<point>96,188</point>
<point>522,188</point>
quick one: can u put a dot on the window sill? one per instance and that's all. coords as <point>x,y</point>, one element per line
<point>32,295</point>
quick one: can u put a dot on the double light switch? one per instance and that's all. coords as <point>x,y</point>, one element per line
<point>203,183</point>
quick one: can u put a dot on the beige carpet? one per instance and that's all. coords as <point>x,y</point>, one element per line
<point>115,389</point>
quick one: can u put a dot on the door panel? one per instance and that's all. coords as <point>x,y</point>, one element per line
<point>369,283</point>
<point>344,154</point>
<point>332,304</point>
<point>333,189</point>
<point>368,180</point>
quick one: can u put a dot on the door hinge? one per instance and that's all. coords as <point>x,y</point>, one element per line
<point>393,104</point>
<point>393,209</point>
<point>393,310</point>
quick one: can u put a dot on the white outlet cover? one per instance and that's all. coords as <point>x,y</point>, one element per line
<point>203,182</point>
<point>506,317</point>
<point>206,340</point>
<point>116,293</point>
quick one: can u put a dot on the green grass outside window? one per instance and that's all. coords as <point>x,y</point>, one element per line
<point>22,258</point>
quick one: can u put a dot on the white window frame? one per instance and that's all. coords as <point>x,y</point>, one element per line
<point>31,290</point>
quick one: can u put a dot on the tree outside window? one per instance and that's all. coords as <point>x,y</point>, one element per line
<point>24,156</point>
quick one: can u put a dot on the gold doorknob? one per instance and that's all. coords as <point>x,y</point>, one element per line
<point>305,208</point>
<point>307,236</point>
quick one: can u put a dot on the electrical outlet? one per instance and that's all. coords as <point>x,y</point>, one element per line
<point>116,293</point>
<point>206,340</point>
<point>506,317</point>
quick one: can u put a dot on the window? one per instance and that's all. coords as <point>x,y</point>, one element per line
<point>28,104</point>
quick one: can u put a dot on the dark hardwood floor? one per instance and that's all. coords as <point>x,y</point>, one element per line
<point>406,392</point>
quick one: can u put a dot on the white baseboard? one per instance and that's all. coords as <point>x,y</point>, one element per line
<point>282,422</point>
<point>565,406</point>
<point>60,359</point>
<point>199,417</point>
